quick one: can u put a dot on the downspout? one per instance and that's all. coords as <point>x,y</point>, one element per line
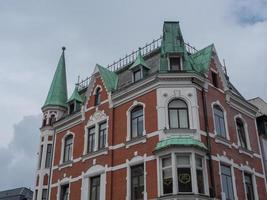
<point>204,100</point>
<point>112,157</point>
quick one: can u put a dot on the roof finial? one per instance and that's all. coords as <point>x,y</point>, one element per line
<point>63,48</point>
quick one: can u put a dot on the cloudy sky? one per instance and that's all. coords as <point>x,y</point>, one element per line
<point>33,32</point>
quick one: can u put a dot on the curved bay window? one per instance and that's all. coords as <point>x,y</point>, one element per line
<point>97,97</point>
<point>219,121</point>
<point>137,122</point>
<point>178,114</point>
<point>241,133</point>
<point>68,145</point>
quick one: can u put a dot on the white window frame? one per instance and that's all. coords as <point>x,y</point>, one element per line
<point>175,56</point>
<point>63,145</point>
<point>247,169</point>
<point>60,183</point>
<point>128,116</point>
<point>95,120</point>
<point>225,119</point>
<point>245,129</point>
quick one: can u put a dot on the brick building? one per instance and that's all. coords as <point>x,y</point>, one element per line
<point>165,122</point>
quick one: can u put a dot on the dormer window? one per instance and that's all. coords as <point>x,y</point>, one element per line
<point>97,97</point>
<point>71,107</point>
<point>175,63</point>
<point>137,75</point>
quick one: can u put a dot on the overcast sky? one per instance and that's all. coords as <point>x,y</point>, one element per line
<point>33,32</point>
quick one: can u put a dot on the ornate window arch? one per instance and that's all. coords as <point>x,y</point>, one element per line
<point>67,144</point>
<point>178,113</point>
<point>97,95</point>
<point>242,132</point>
<point>135,120</point>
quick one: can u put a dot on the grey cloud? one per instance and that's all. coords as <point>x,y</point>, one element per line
<point>18,159</point>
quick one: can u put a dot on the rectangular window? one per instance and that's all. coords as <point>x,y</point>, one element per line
<point>214,79</point>
<point>44,194</point>
<point>95,188</point>
<point>137,122</point>
<point>184,173</point>
<point>175,63</point>
<point>91,140</point>
<point>36,194</point>
<point>48,156</point>
<point>40,156</point>
<point>137,182</point>
<point>64,193</point>
<point>199,172</point>
<point>249,186</point>
<point>227,184</point>
<point>137,75</point>
<point>219,121</point>
<point>102,135</point>
<point>166,166</point>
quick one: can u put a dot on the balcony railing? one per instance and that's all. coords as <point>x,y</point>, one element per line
<point>129,59</point>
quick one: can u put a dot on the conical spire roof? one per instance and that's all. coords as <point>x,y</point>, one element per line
<point>139,61</point>
<point>75,96</point>
<point>57,95</point>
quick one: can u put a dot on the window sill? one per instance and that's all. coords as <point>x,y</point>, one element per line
<point>94,154</point>
<point>245,151</point>
<point>65,164</point>
<point>224,141</point>
<point>184,196</point>
<point>180,131</point>
<point>134,141</point>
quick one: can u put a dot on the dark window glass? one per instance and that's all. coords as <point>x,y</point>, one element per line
<point>95,188</point>
<point>71,107</point>
<point>137,182</point>
<point>48,155</point>
<point>64,193</point>
<point>91,139</point>
<point>178,114</point>
<point>175,63</point>
<point>68,148</point>
<point>227,183</point>
<point>97,97</point>
<point>36,194</point>
<point>167,175</point>
<point>214,79</point>
<point>249,186</point>
<point>52,120</point>
<point>137,75</point>
<point>44,194</point>
<point>199,171</point>
<point>241,133</point>
<point>137,122</point>
<point>184,174</point>
<point>219,121</point>
<point>40,156</point>
<point>102,135</point>
<point>44,122</point>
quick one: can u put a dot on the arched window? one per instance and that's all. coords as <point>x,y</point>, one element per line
<point>97,96</point>
<point>44,121</point>
<point>178,114</point>
<point>52,120</point>
<point>241,133</point>
<point>219,121</point>
<point>68,146</point>
<point>137,122</point>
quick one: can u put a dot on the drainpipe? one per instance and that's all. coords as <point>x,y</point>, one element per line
<point>112,140</point>
<point>204,100</point>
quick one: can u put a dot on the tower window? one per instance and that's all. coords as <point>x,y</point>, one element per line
<point>137,75</point>
<point>52,120</point>
<point>175,63</point>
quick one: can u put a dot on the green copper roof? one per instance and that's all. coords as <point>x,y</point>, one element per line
<point>110,78</point>
<point>201,59</point>
<point>57,95</point>
<point>75,96</point>
<point>139,62</point>
<point>179,141</point>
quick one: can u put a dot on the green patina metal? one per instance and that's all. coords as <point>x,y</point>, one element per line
<point>139,62</point>
<point>173,44</point>
<point>57,95</point>
<point>179,141</point>
<point>75,96</point>
<point>110,78</point>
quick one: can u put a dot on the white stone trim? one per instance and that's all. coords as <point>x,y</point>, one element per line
<point>128,117</point>
<point>245,129</point>
<point>225,118</point>
<point>248,170</point>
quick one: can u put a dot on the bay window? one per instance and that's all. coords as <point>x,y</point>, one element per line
<point>184,173</point>
<point>167,175</point>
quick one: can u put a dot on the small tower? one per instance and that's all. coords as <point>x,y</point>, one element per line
<point>53,109</point>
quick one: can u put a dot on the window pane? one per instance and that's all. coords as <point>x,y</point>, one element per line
<point>175,63</point>
<point>137,182</point>
<point>183,120</point>
<point>102,135</point>
<point>95,188</point>
<point>44,194</point>
<point>249,186</point>
<point>199,161</point>
<point>222,127</point>
<point>173,118</point>
<point>91,139</point>
<point>137,122</point>
<point>166,161</point>
<point>140,126</point>
<point>134,128</point>
<point>184,180</point>
<point>137,75</point>
<point>183,160</point>
<point>200,181</point>
<point>167,181</point>
<point>64,192</point>
<point>227,183</point>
